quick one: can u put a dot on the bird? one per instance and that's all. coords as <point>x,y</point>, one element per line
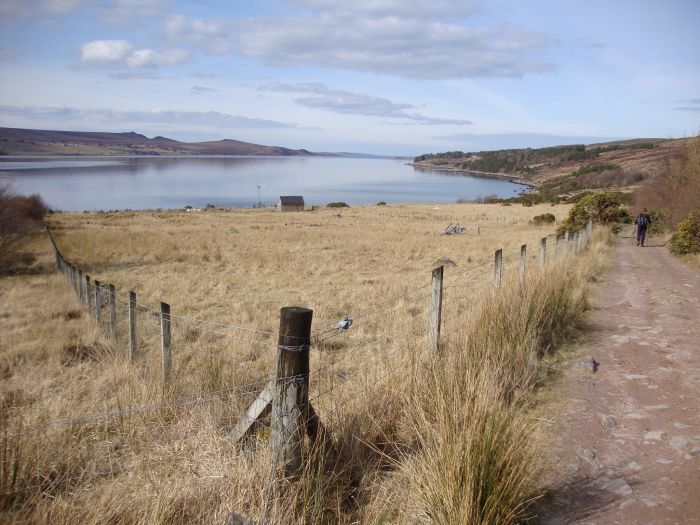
<point>344,323</point>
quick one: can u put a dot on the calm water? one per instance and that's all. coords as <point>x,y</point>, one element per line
<point>173,182</point>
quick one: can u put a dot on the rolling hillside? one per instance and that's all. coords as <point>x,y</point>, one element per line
<point>16,141</point>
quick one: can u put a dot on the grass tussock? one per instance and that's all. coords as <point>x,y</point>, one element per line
<point>413,438</point>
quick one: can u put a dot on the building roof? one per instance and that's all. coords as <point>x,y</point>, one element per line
<point>292,199</point>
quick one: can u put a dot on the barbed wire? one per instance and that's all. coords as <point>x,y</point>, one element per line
<point>94,418</point>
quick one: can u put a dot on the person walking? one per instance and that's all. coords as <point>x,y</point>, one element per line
<point>642,223</point>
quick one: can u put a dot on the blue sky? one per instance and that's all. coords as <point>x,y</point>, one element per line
<point>375,76</point>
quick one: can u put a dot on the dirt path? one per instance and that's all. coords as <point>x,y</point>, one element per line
<point>629,434</point>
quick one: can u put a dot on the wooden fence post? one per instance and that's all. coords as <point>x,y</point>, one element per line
<point>81,287</point>
<point>166,357</point>
<point>112,312</point>
<point>523,260</point>
<point>98,302</point>
<point>478,229</point>
<point>576,238</point>
<point>543,252</point>
<point>88,295</point>
<point>436,310</point>
<point>290,404</point>
<point>566,243</point>
<point>556,246</point>
<point>497,268</point>
<point>132,326</point>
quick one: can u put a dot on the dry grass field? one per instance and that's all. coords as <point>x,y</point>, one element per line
<point>397,417</point>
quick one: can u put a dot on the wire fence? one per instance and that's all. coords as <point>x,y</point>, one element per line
<point>226,378</point>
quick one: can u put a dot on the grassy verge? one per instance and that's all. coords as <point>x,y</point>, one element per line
<point>415,439</point>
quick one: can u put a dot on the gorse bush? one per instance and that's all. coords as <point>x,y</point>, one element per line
<point>601,208</point>
<point>686,238</point>
<point>545,218</point>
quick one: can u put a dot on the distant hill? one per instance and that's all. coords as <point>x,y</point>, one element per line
<point>566,171</point>
<point>17,141</point>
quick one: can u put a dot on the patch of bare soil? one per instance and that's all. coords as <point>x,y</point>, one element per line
<point>627,435</point>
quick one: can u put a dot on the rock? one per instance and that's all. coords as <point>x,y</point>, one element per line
<point>664,461</point>
<point>617,486</point>
<point>695,451</point>
<point>607,421</point>
<point>633,377</point>
<point>634,466</point>
<point>635,415</point>
<point>678,444</point>
<point>590,454</point>
<point>654,435</point>
<point>680,426</point>
<point>589,363</point>
<point>648,502</point>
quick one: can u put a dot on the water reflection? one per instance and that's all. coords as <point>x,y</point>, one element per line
<point>173,182</point>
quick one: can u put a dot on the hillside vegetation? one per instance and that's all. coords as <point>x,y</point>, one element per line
<point>416,439</point>
<point>564,172</point>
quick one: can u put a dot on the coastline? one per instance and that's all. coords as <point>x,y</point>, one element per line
<point>510,177</point>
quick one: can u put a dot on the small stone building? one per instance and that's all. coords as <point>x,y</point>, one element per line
<point>290,203</point>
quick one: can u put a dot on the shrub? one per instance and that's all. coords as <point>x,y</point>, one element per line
<point>601,207</point>
<point>20,217</point>
<point>686,238</point>
<point>337,204</point>
<point>381,203</point>
<point>545,218</point>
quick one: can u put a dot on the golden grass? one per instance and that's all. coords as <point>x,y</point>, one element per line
<point>395,416</point>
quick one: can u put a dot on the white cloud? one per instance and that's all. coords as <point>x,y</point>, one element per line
<point>111,51</point>
<point>413,8</point>
<point>409,39</point>
<point>213,36</point>
<point>151,58</point>
<point>62,6</point>
<point>15,8</point>
<point>134,8</point>
<point>121,52</point>
<point>405,47</point>
<point>319,96</point>
<point>32,116</point>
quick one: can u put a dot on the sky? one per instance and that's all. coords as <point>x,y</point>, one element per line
<point>394,77</point>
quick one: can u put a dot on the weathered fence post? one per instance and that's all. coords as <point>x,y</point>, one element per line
<point>523,259</point>
<point>543,252</point>
<point>98,302</point>
<point>576,243</point>
<point>290,404</point>
<point>436,310</point>
<point>166,357</point>
<point>556,246</point>
<point>71,277</point>
<point>132,325</point>
<point>497,268</point>
<point>81,287</point>
<point>112,312</point>
<point>88,294</point>
<point>566,243</point>
<point>478,230</point>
